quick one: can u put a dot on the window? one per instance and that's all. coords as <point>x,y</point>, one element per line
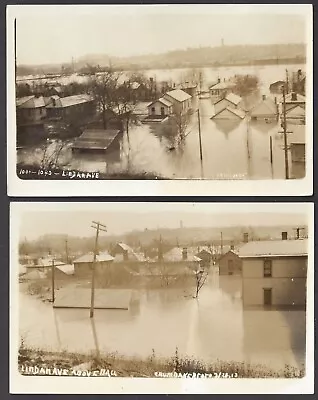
<point>162,109</point>
<point>153,110</point>
<point>267,268</point>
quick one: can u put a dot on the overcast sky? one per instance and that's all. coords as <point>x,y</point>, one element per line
<point>55,35</point>
<point>120,218</point>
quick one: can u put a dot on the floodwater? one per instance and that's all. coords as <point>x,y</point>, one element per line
<point>209,328</point>
<point>230,150</point>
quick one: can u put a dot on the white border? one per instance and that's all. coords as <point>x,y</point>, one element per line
<point>18,187</point>
<point>59,385</point>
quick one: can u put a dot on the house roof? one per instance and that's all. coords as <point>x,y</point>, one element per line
<point>178,95</point>
<point>233,98</point>
<point>235,252</point>
<point>175,255</point>
<point>99,139</point>
<point>30,102</point>
<point>131,252</point>
<point>45,262</point>
<point>296,112</point>
<point>266,106</point>
<point>239,113</point>
<point>64,102</point>
<point>163,101</point>
<point>222,85</point>
<point>89,258</point>
<point>275,248</point>
<point>68,269</point>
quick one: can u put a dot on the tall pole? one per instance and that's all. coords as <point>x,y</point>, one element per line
<point>271,154</point>
<point>221,243</point>
<point>53,281</point>
<point>99,227</point>
<point>285,135</point>
<point>200,142</point>
<point>66,249</point>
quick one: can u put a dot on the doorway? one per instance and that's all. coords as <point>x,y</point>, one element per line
<point>267,297</point>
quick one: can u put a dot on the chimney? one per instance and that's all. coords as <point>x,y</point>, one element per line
<point>284,235</point>
<point>219,80</point>
<point>294,96</point>
<point>184,254</point>
<point>232,246</point>
<point>264,97</point>
<point>245,237</point>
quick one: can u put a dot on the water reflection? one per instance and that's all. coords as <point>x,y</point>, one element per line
<point>210,327</point>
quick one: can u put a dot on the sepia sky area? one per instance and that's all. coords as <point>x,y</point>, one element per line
<point>75,223</point>
<point>55,37</point>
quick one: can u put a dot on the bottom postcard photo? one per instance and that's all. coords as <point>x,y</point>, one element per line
<point>161,297</point>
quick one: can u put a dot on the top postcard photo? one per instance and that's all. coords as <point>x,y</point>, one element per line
<point>164,100</point>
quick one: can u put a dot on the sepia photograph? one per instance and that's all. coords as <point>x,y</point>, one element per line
<point>161,93</point>
<point>195,296</point>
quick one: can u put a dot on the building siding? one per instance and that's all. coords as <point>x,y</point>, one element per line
<point>224,264</point>
<point>288,281</point>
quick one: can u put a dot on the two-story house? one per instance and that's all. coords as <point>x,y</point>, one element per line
<point>30,110</point>
<point>274,272</point>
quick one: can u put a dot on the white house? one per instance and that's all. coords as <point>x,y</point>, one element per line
<point>296,114</point>
<point>266,109</point>
<point>297,142</point>
<point>274,272</point>
<point>221,89</point>
<point>180,100</point>
<point>160,107</point>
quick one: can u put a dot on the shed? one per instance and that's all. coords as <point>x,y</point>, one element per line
<point>84,264</point>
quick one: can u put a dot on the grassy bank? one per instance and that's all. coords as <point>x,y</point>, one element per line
<point>175,366</point>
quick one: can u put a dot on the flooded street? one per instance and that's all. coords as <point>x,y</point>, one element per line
<point>209,328</point>
<point>231,149</point>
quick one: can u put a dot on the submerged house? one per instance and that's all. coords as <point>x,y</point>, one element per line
<point>296,115</point>
<point>274,272</point>
<point>30,110</point>
<point>221,89</point>
<point>266,109</point>
<point>297,142</point>
<point>231,100</point>
<point>294,99</point>
<point>180,100</point>
<point>159,109</point>
<point>277,87</point>
<point>71,106</point>
<point>230,263</point>
<point>84,264</point>
<point>98,141</point>
<point>229,113</point>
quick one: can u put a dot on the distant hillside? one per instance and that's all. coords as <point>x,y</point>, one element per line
<point>148,239</point>
<point>191,57</point>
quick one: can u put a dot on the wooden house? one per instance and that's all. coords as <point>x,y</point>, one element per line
<point>266,109</point>
<point>84,264</point>
<point>30,110</point>
<point>230,263</point>
<point>180,100</point>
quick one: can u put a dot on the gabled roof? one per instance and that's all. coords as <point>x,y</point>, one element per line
<point>30,102</point>
<point>63,102</point>
<point>239,113</point>
<point>275,248</point>
<point>89,258</point>
<point>162,100</point>
<point>235,252</point>
<point>233,98</point>
<point>178,95</point>
<point>266,106</point>
<point>68,269</point>
<point>131,252</point>
<point>297,111</point>
<point>222,85</point>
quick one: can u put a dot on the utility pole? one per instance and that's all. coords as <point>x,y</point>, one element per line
<point>99,227</point>
<point>285,135</point>
<point>200,142</point>
<point>271,155</point>
<point>66,249</point>
<point>287,81</point>
<point>221,243</point>
<point>53,281</point>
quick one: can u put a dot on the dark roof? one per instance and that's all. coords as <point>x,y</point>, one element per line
<point>98,139</point>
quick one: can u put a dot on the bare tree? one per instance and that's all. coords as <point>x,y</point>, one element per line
<point>201,275</point>
<point>52,152</point>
